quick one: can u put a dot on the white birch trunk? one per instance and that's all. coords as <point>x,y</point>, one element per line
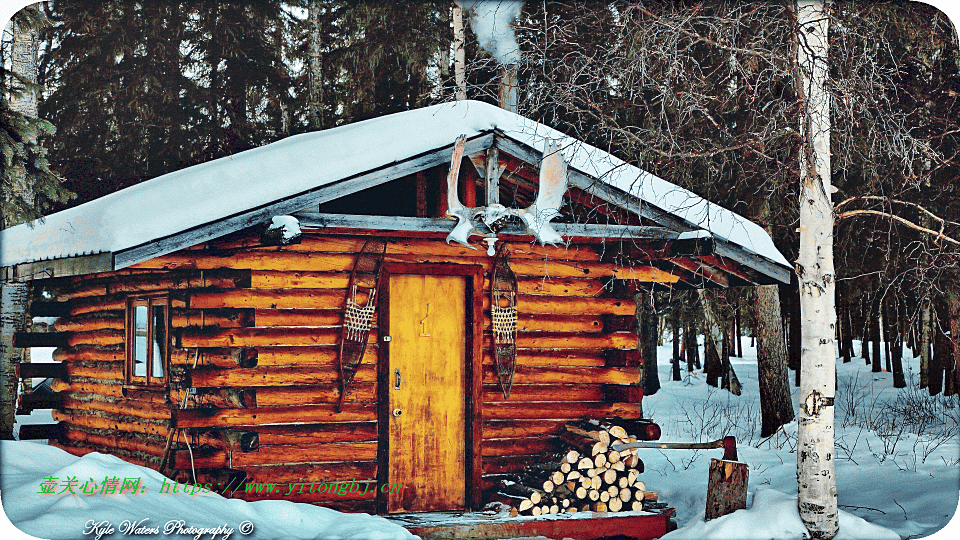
<point>817,495</point>
<point>459,53</point>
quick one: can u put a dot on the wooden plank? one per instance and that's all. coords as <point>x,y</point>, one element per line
<point>62,267</point>
<point>445,225</point>
<point>269,299</point>
<point>312,197</point>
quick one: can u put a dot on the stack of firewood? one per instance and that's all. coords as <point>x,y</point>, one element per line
<point>589,477</point>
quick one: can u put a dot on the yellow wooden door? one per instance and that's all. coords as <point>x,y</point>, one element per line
<point>426,378</point>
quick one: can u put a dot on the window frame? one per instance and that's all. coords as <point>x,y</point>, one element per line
<point>149,379</point>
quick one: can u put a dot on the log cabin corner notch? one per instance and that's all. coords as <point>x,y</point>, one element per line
<point>250,370</point>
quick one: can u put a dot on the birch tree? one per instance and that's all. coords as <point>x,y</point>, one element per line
<point>817,495</point>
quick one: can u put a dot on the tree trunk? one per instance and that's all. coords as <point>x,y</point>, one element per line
<point>875,332</point>
<point>925,325</point>
<point>776,407</point>
<point>817,496</point>
<point>676,345</point>
<point>739,330</point>
<point>886,325</point>
<point>13,296</point>
<point>897,347</point>
<point>953,368</point>
<point>714,342</point>
<point>13,307</point>
<point>314,72</point>
<point>459,53</point>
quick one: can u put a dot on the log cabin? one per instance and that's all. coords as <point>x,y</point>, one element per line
<point>387,300</point>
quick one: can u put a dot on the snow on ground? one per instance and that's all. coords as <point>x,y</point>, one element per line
<point>25,465</point>
<point>892,481</point>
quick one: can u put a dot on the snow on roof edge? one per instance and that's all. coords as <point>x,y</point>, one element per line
<point>261,176</point>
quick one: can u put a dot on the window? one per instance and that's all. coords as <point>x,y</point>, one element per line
<point>147,341</point>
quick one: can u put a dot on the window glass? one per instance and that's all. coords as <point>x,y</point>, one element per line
<point>159,340</point>
<point>139,359</point>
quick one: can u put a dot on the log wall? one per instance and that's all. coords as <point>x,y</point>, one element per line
<point>255,330</point>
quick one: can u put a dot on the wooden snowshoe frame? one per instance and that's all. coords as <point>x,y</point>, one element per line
<point>503,311</point>
<point>358,317</point>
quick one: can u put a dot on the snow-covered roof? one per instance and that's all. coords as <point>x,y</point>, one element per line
<point>220,189</point>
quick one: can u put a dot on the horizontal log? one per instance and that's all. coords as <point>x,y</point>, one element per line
<point>272,259</point>
<point>97,338</point>
<point>619,323</point>
<point>318,433</point>
<point>89,354</point>
<point>153,446</point>
<point>299,317</point>
<point>307,355</point>
<point>112,422</point>
<point>114,283</point>
<point>545,392</point>
<point>304,453</point>
<point>25,340</point>
<point>220,357</point>
<point>556,323</point>
<point>309,472</point>
<point>569,305</point>
<point>565,340</point>
<point>270,299</point>
<point>275,376</point>
<point>497,429</point>
<point>49,309</point>
<point>31,401</point>
<point>549,410</point>
<point>357,392</point>
<point>54,370</point>
<point>227,398</point>
<point>552,286</point>
<point>495,465</point>
<point>553,357</point>
<point>119,408</point>
<point>623,358</point>
<point>98,304</point>
<point>274,415</point>
<point>518,446</point>
<point>266,279</point>
<point>32,432</point>
<point>261,337</point>
<point>102,371</point>
<point>550,375</point>
<point>624,393</point>
<point>320,495</point>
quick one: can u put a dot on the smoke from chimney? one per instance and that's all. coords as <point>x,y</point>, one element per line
<point>491,20</point>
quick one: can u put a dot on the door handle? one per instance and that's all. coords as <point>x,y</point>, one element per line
<point>396,384</point>
<point>397,412</point>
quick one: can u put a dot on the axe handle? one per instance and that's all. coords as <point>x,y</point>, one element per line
<point>729,445</point>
